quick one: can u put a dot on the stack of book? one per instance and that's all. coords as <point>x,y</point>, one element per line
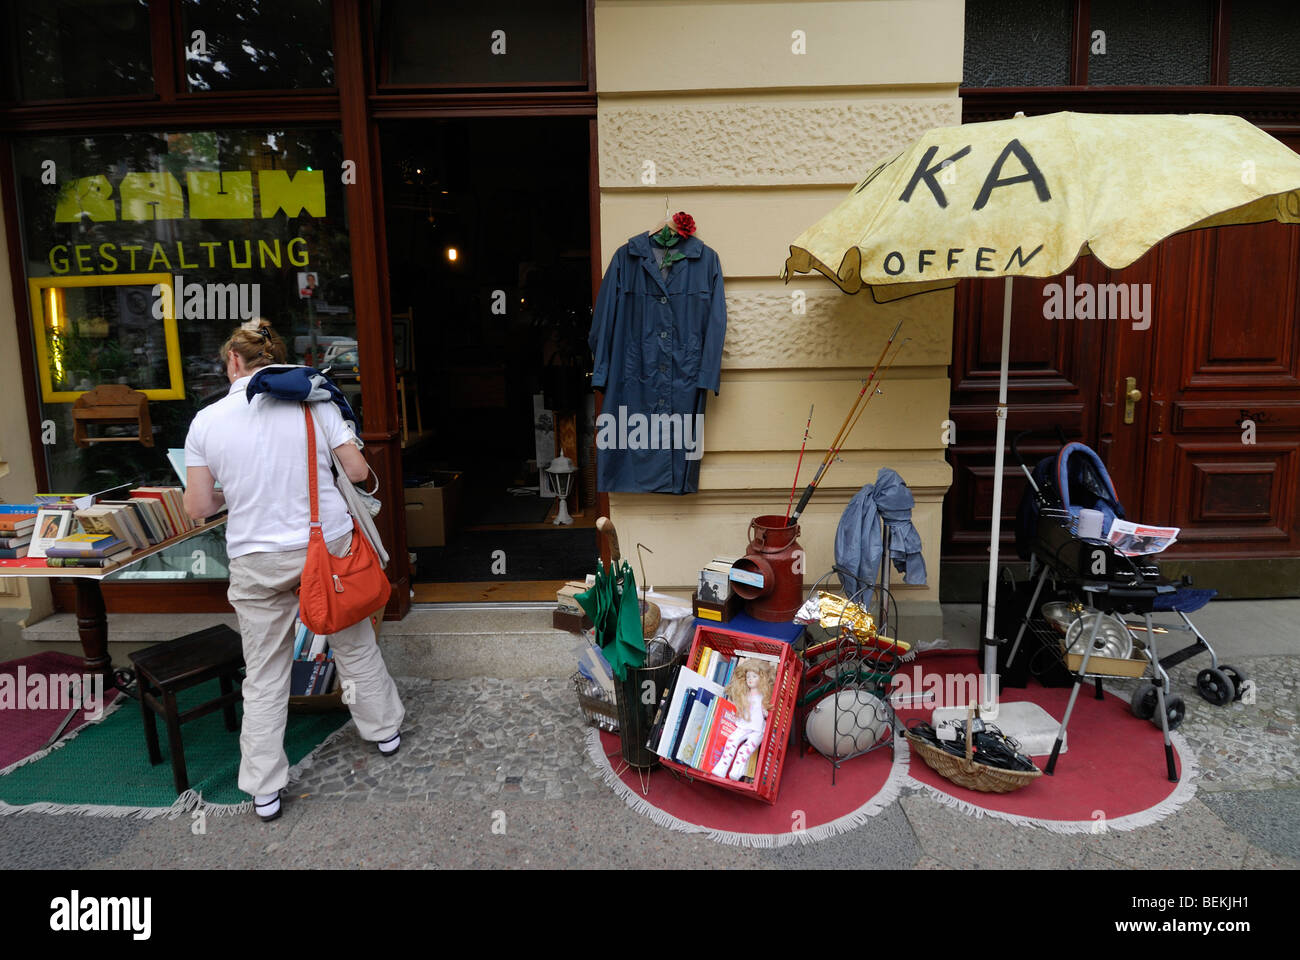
<point>313,663</point>
<point>85,550</point>
<point>111,527</point>
<point>16,524</point>
<point>695,719</point>
<point>166,505</point>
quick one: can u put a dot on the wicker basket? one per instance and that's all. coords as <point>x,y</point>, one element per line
<point>599,713</point>
<point>965,772</point>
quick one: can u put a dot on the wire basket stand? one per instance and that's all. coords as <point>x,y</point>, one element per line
<point>853,670</point>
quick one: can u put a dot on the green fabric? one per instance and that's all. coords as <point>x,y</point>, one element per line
<point>107,763</point>
<point>615,615</point>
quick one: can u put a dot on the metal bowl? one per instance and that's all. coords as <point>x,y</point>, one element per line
<point>1113,639</point>
<point>1060,616</point>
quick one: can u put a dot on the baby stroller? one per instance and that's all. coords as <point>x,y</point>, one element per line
<point>1094,586</point>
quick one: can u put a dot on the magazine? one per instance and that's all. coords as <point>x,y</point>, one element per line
<point>1138,539</point>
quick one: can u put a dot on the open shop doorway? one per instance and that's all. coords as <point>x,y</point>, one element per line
<point>489,257</point>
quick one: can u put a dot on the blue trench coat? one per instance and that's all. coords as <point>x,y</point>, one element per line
<point>658,348</point>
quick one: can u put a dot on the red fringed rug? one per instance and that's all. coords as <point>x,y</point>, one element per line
<point>34,699</point>
<point>808,808</point>
<point>1112,777</point>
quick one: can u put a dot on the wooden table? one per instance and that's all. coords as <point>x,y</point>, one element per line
<point>92,621</point>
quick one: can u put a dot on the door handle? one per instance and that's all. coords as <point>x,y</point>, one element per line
<point>1131,396</point>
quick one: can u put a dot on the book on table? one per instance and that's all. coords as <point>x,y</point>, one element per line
<point>87,546</point>
<point>16,524</point>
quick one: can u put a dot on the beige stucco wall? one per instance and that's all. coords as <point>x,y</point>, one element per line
<point>757,141</point>
<point>17,473</point>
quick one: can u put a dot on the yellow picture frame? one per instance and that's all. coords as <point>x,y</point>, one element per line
<point>39,286</point>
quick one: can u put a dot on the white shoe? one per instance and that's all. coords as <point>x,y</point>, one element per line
<point>268,806</point>
<point>389,747</point>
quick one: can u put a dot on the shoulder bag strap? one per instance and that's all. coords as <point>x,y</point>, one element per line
<point>311,466</point>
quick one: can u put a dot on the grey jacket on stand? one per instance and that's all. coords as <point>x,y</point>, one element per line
<point>858,539</point>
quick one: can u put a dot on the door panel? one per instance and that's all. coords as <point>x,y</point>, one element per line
<point>1225,388</point>
<point>1213,446</point>
<point>1053,382</point>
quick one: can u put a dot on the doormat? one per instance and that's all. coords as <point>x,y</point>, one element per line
<point>104,769</point>
<point>36,693</point>
<point>557,554</point>
<point>807,809</point>
<point>1112,778</point>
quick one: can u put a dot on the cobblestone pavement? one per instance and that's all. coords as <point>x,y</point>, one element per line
<point>1241,746</point>
<point>466,739</point>
<point>475,748</point>
<point>480,737</point>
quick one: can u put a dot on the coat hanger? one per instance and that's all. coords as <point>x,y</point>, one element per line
<point>668,218</point>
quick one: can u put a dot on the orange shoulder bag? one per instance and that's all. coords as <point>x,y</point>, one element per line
<point>337,592</point>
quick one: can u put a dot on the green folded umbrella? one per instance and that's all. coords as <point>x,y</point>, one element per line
<point>615,614</point>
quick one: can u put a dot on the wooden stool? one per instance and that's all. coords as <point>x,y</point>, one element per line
<point>165,669</point>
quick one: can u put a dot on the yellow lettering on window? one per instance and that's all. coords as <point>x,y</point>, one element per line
<point>292,193</point>
<point>88,196</point>
<point>152,196</point>
<point>220,196</point>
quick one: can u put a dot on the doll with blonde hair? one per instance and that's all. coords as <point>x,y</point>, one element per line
<point>750,689</point>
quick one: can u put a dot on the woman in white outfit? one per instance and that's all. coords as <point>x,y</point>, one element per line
<point>257,451</point>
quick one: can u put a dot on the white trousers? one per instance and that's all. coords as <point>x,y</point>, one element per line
<point>261,591</point>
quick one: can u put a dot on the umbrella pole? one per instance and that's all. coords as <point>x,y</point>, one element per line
<point>989,699</point>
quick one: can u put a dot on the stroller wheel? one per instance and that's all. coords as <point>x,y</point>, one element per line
<point>1216,686</point>
<point>1239,679</point>
<point>1175,710</point>
<point>1143,702</point>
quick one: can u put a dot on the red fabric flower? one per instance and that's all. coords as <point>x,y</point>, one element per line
<point>684,224</point>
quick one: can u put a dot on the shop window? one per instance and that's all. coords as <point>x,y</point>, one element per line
<point>490,42</point>
<point>1149,42</point>
<point>66,49</point>
<point>233,224</point>
<point>1262,40</point>
<point>1017,43</point>
<point>257,44</point>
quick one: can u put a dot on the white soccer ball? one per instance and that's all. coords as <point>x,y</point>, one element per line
<point>861,719</point>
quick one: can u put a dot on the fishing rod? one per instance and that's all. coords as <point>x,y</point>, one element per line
<point>807,427</point>
<point>841,436</point>
<point>876,391</point>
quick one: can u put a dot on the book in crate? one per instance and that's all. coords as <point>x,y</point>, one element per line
<point>313,683</point>
<point>692,729</point>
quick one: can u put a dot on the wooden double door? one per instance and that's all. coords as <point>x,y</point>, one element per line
<point>1213,443</point>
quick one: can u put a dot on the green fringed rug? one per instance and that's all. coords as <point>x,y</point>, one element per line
<point>104,769</point>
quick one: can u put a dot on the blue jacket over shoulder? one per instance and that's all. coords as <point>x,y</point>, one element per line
<point>658,348</point>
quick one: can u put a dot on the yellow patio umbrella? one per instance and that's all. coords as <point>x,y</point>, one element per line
<point>1027,196</point>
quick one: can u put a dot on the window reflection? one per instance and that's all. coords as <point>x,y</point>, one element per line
<point>238,216</point>
<point>66,49</point>
<point>257,44</point>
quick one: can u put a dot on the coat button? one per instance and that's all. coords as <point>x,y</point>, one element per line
<point>664,335</point>
<point>663,299</point>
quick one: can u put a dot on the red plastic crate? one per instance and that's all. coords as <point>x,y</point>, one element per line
<point>771,753</point>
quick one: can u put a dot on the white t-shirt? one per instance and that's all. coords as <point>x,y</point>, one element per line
<point>258,453</point>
